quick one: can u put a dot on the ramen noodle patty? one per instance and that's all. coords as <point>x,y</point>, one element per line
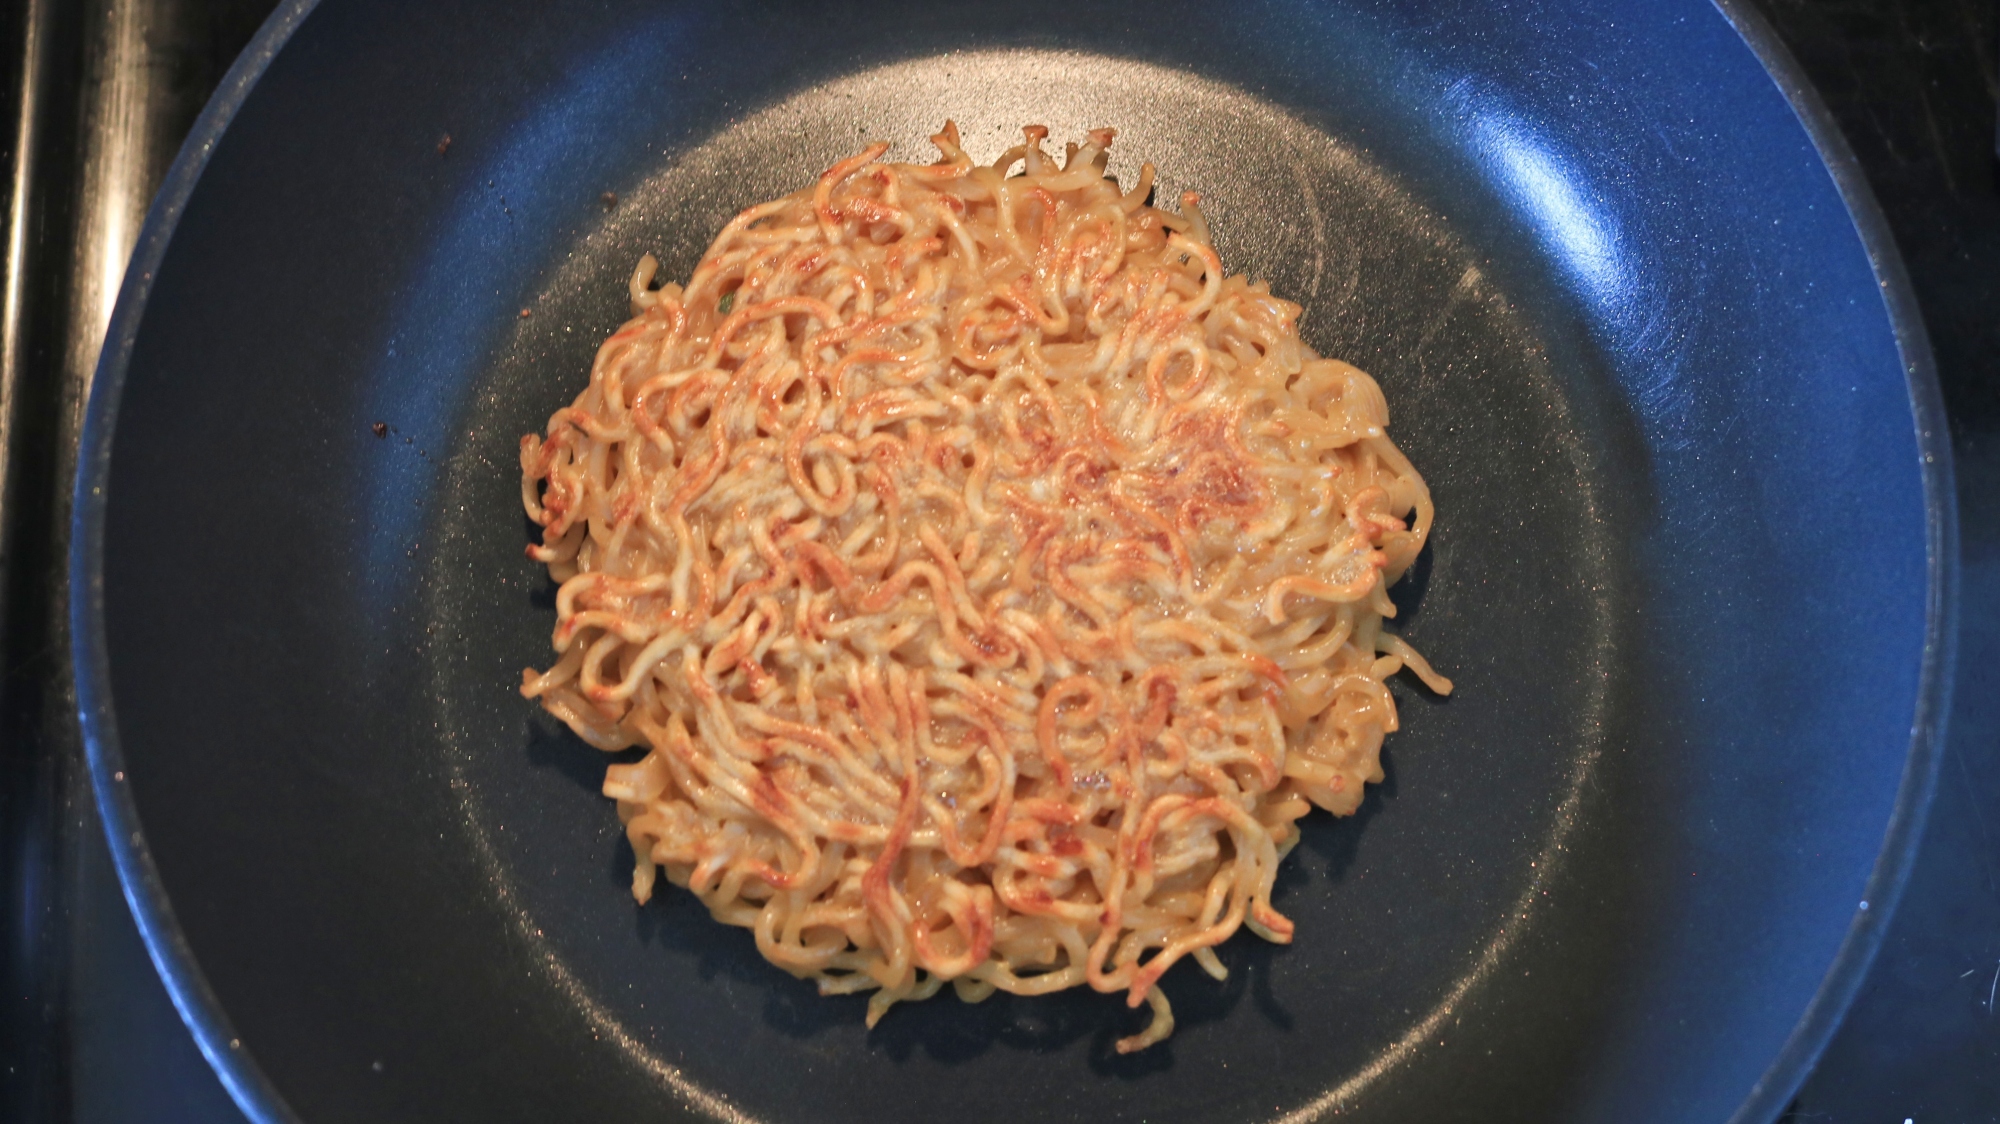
<point>991,580</point>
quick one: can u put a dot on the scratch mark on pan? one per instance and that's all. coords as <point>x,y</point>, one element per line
<point>1467,282</point>
<point>1316,223</point>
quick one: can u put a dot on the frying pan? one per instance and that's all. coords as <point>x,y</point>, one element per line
<point>1638,324</point>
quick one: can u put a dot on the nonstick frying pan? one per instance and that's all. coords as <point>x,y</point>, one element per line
<point>1638,324</point>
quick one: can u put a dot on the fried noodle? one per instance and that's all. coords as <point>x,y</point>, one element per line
<point>992,581</point>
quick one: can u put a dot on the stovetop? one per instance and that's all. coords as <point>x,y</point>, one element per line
<point>94,112</point>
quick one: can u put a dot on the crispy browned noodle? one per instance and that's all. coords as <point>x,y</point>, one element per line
<point>993,581</point>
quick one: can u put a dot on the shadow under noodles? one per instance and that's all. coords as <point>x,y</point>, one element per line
<point>1386,285</point>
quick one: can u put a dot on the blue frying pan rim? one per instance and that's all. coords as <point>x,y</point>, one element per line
<point>260,1100</point>
<point>1844,977</point>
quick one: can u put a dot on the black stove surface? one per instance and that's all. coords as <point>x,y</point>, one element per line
<point>87,1033</point>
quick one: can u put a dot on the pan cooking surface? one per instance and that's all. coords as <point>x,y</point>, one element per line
<point>1627,332</point>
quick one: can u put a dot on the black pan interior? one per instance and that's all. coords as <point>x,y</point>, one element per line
<point>1680,572</point>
